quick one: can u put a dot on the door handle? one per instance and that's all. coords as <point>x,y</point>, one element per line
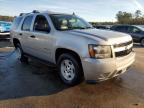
<point>32,36</point>
<point>20,34</point>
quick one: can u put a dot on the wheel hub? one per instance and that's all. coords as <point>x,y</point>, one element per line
<point>67,70</point>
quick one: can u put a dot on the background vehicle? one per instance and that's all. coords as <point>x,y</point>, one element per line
<point>5,28</point>
<point>136,32</point>
<point>73,45</point>
<point>101,27</point>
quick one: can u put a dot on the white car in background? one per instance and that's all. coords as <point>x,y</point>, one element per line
<point>5,28</point>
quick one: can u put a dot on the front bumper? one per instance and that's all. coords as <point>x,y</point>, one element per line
<point>103,69</point>
<point>4,35</point>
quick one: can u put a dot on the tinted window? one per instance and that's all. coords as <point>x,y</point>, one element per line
<point>121,28</point>
<point>27,23</point>
<point>41,24</point>
<point>16,22</point>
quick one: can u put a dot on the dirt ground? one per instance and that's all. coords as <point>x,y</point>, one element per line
<point>36,85</point>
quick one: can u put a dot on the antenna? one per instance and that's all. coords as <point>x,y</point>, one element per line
<point>73,13</point>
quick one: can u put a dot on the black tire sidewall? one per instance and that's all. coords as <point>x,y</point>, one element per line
<point>19,46</point>
<point>77,76</point>
<point>141,42</point>
<point>23,58</point>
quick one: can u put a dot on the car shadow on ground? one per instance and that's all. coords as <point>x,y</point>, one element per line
<point>5,43</point>
<point>21,80</point>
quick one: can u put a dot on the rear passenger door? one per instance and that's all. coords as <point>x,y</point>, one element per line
<point>26,33</point>
<point>123,29</point>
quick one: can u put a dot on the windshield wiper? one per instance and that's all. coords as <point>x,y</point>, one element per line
<point>78,28</point>
<point>89,27</point>
<point>81,27</point>
<point>84,27</point>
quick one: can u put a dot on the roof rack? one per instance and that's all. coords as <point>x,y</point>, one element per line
<point>34,11</point>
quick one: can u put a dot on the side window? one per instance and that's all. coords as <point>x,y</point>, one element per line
<point>27,23</point>
<point>113,28</point>
<point>16,22</point>
<point>118,28</point>
<point>121,28</point>
<point>134,30</point>
<point>41,24</point>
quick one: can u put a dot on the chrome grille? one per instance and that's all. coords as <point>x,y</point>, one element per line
<point>123,53</point>
<point>123,44</point>
<point>123,49</point>
<point>5,32</point>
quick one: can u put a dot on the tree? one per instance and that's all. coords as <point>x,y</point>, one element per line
<point>124,17</point>
<point>138,14</point>
<point>6,18</point>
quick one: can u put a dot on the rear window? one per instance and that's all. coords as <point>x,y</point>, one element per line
<point>27,23</point>
<point>16,22</point>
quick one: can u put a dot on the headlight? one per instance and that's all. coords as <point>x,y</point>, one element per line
<point>100,51</point>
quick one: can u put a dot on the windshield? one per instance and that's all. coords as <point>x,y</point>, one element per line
<point>69,22</point>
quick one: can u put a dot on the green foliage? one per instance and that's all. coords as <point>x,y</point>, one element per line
<point>138,14</point>
<point>124,17</point>
<point>128,18</point>
<point>102,23</point>
<point>136,18</point>
<point>6,18</point>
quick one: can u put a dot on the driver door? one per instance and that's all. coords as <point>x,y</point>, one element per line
<point>42,38</point>
<point>135,33</point>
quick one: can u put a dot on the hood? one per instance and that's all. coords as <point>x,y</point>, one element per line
<point>105,35</point>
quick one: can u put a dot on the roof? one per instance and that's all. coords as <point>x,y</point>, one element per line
<point>36,11</point>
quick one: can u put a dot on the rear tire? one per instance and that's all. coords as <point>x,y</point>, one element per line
<point>142,42</point>
<point>70,71</point>
<point>20,54</point>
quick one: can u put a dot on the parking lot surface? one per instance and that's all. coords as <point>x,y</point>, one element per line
<point>36,85</point>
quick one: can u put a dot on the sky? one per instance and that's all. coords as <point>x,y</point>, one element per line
<point>91,10</point>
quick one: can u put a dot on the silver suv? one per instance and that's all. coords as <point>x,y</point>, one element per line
<point>78,50</point>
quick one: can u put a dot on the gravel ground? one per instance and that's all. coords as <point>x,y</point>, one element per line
<point>37,86</point>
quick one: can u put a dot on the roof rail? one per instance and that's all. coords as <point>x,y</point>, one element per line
<point>21,14</point>
<point>34,11</point>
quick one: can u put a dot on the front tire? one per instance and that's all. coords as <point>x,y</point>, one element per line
<point>20,54</point>
<point>142,42</point>
<point>69,69</point>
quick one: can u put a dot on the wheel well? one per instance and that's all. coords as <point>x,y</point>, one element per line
<point>141,39</point>
<point>15,42</point>
<point>60,51</point>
